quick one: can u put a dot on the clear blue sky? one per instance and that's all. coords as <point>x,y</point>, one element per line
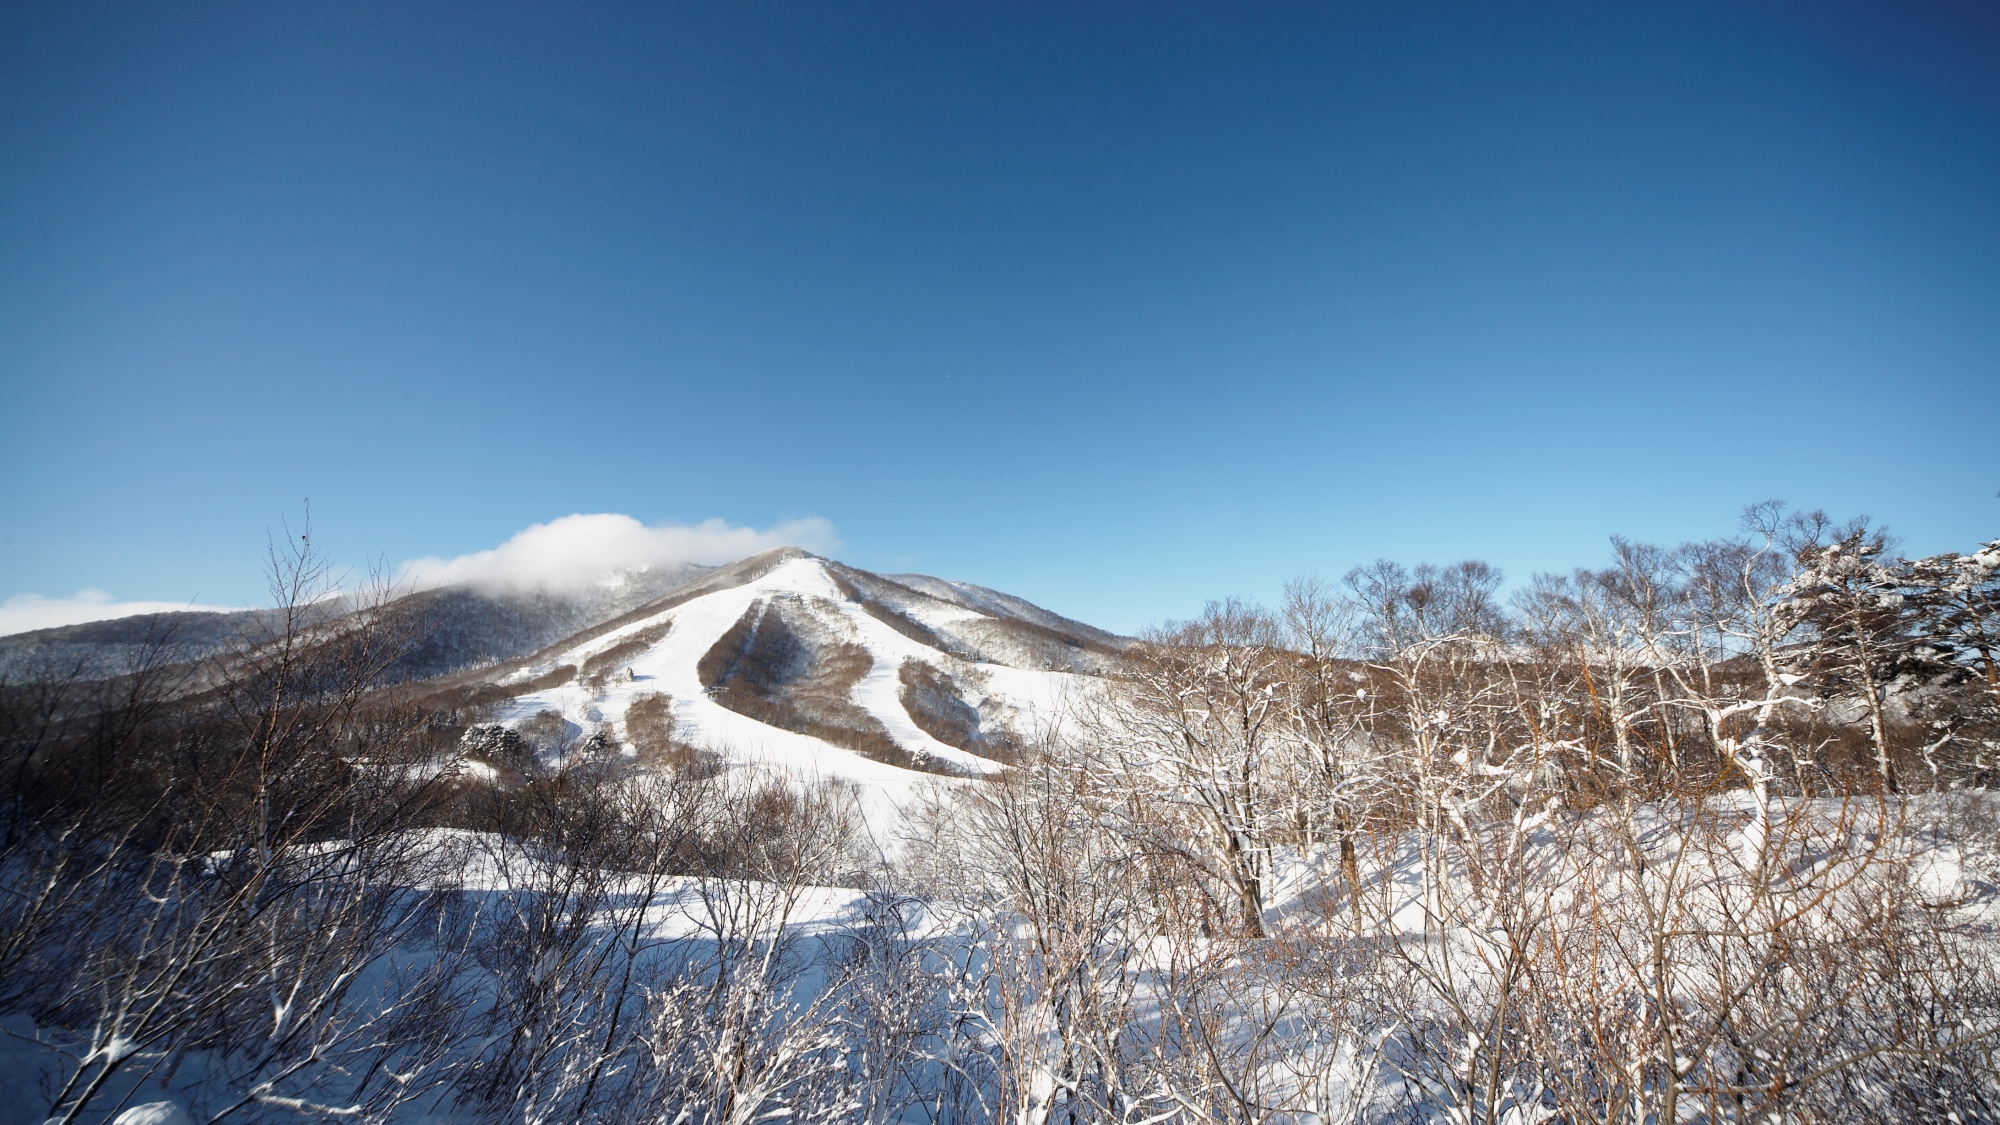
<point>1114,307</point>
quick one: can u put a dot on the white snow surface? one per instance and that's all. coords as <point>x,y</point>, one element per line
<point>1037,697</point>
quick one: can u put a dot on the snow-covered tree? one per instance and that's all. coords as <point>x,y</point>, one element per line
<point>1961,597</point>
<point>1198,721</point>
<point>1857,625</point>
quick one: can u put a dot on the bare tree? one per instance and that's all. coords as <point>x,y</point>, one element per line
<point>1198,723</point>
<point>254,867</point>
<point>735,1032</point>
<point>1062,931</point>
<point>1331,713</point>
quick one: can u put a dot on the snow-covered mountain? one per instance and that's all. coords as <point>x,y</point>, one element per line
<point>797,662</point>
<point>784,659</point>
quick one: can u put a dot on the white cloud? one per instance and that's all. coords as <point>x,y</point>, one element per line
<point>24,613</point>
<point>572,552</point>
<point>564,554</point>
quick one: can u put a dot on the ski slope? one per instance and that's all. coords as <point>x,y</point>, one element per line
<point>1036,697</point>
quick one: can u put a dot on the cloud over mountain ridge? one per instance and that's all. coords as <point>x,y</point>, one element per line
<point>579,550</point>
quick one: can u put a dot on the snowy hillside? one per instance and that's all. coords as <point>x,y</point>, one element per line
<point>893,678</point>
<point>1453,879</point>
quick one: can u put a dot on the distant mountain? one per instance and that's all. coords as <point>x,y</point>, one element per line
<point>107,648</point>
<point>458,627</point>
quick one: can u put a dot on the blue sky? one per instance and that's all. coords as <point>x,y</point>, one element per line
<point>1118,308</point>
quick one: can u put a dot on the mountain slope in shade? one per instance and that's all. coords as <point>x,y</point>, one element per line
<point>458,627</point>
<point>464,626</point>
<point>797,662</point>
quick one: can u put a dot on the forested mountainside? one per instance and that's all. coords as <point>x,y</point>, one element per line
<point>454,627</point>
